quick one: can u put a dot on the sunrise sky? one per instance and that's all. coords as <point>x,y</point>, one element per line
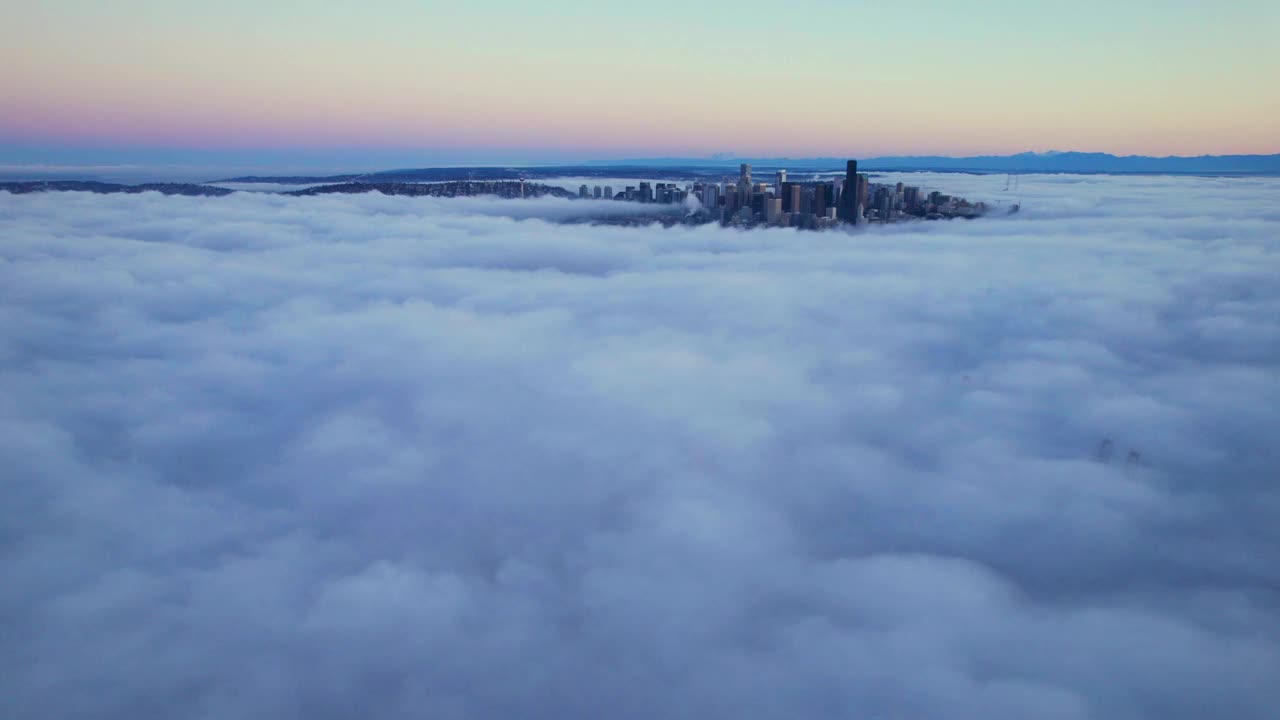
<point>570,80</point>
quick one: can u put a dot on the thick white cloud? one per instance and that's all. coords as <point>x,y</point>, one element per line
<point>391,457</point>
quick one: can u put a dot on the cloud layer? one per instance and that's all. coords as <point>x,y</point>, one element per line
<point>392,457</point>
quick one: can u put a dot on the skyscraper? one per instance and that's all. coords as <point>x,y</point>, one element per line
<point>848,198</point>
<point>772,209</point>
<point>782,180</point>
<point>711,196</point>
<point>744,185</point>
<point>790,194</point>
<point>910,197</point>
<point>860,198</point>
<point>824,195</point>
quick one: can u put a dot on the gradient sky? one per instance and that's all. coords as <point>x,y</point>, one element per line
<point>597,79</point>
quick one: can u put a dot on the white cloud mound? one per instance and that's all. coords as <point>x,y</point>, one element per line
<point>389,457</point>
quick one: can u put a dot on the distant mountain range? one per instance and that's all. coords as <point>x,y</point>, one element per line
<point>455,188</point>
<point>1028,162</point>
<point>722,166</point>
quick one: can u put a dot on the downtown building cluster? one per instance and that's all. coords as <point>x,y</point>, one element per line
<point>813,204</point>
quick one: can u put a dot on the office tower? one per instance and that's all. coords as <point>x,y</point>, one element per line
<point>646,193</point>
<point>772,209</point>
<point>596,192</point>
<point>583,192</point>
<point>664,193</point>
<point>608,193</point>
<point>860,200</point>
<point>744,173</point>
<point>630,193</point>
<point>824,196</point>
<point>884,206</point>
<point>790,194</point>
<point>782,180</point>
<point>910,197</point>
<point>848,198</point>
<point>710,196</point>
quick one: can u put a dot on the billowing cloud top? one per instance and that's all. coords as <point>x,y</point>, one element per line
<point>391,457</point>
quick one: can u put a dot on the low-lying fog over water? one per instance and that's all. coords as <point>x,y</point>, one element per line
<point>398,457</point>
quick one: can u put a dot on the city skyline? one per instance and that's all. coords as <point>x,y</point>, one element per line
<point>638,80</point>
<point>642,360</point>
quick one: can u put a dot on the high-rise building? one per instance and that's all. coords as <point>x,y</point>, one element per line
<point>608,193</point>
<point>782,180</point>
<point>646,193</point>
<point>772,209</point>
<point>711,196</point>
<point>861,190</point>
<point>583,192</point>
<point>824,196</point>
<point>744,185</point>
<point>596,192</point>
<point>790,194</point>
<point>848,198</point>
<point>910,197</point>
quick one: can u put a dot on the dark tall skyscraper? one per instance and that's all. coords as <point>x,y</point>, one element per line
<point>824,196</point>
<point>910,197</point>
<point>849,198</point>
<point>860,199</point>
<point>790,194</point>
<point>744,185</point>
